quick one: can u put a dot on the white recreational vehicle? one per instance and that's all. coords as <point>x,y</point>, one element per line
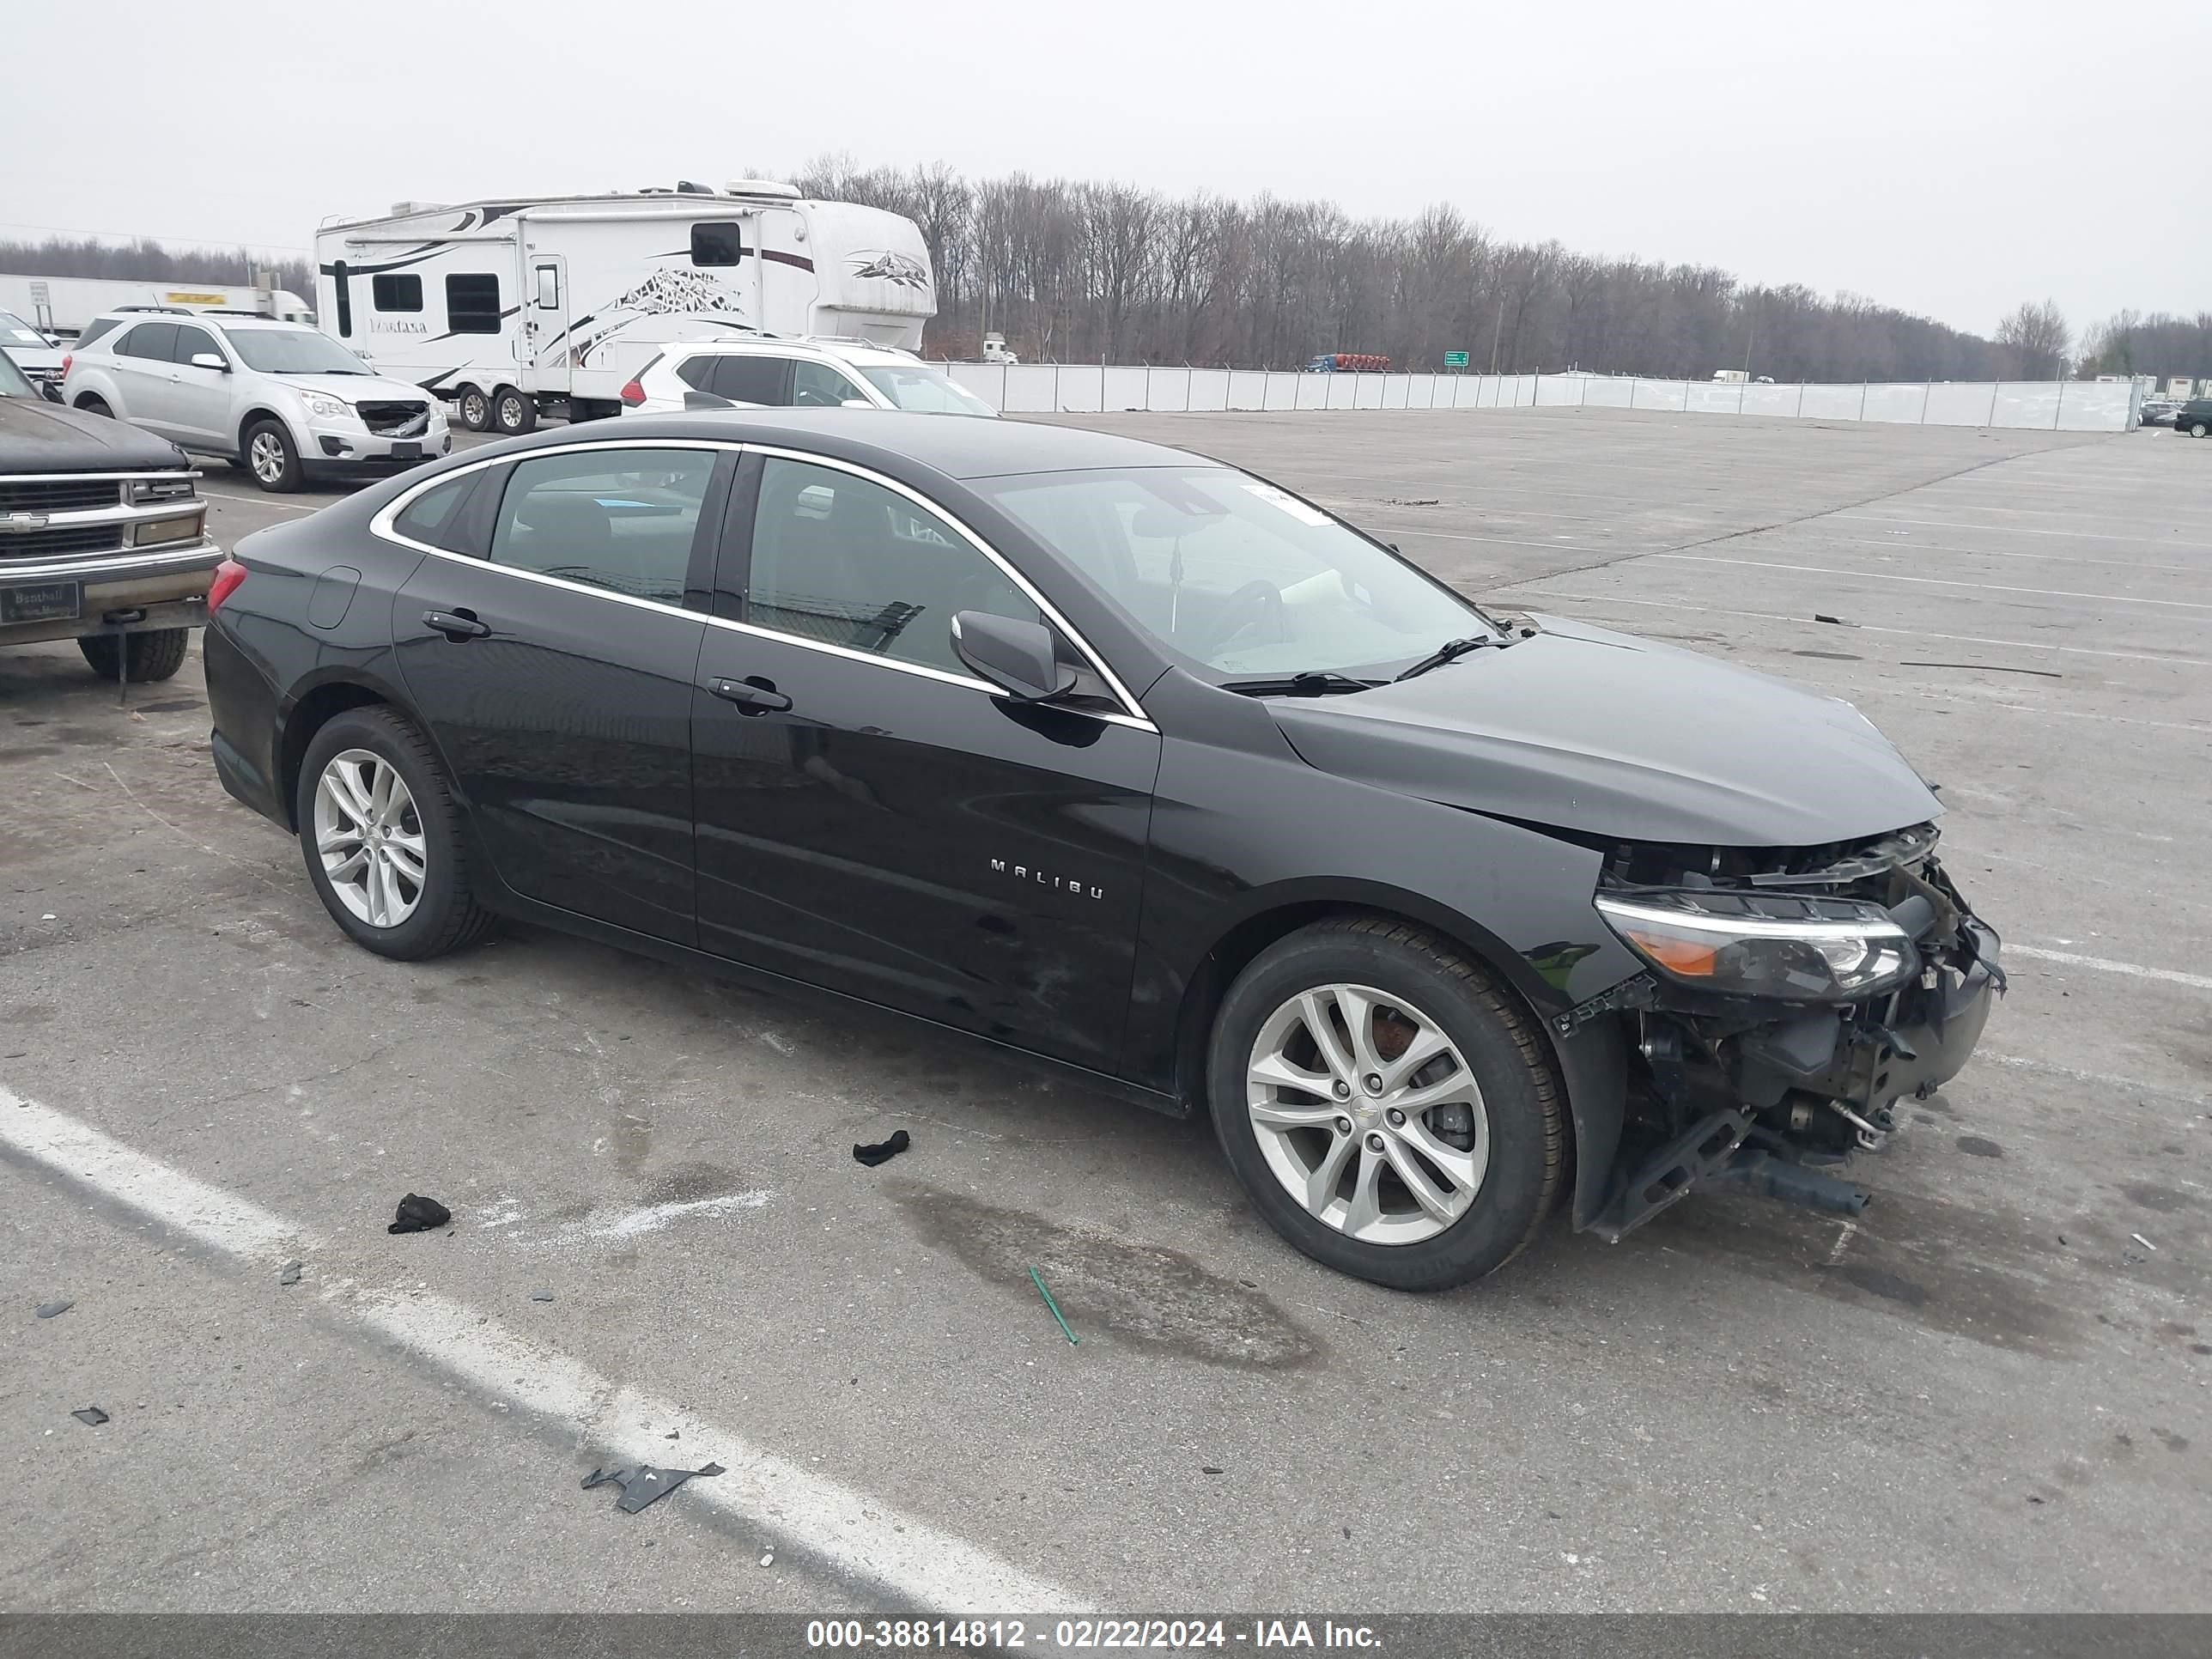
<point>513,307</point>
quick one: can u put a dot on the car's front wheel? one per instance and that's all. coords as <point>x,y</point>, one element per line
<point>2197,429</point>
<point>1391,1110</point>
<point>381,832</point>
<point>272,457</point>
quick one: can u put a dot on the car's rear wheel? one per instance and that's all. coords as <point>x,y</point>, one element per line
<point>93,403</point>
<point>154,654</point>
<point>2197,429</point>
<point>473,409</point>
<point>272,458</point>
<point>1391,1110</point>
<point>380,833</point>
<point>512,412</point>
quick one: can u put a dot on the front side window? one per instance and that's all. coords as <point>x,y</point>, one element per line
<point>396,291</point>
<point>818,386</point>
<point>926,390</point>
<point>190,341</point>
<point>846,561</point>
<point>294,351</point>
<point>150,342</point>
<point>716,244</point>
<point>1236,575</point>
<point>472,303</point>
<point>622,519</point>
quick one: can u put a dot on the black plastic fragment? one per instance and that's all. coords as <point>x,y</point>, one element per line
<point>54,1309</point>
<point>883,1151</point>
<point>642,1484</point>
<point>418,1214</point>
<point>92,1416</point>
<point>1823,616</point>
<point>541,1295</point>
<point>291,1273</point>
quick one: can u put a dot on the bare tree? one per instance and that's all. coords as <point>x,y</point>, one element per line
<point>2036,338</point>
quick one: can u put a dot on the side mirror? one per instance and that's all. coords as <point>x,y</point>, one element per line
<point>856,403</point>
<point>53,392</point>
<point>1022,658</point>
<point>706,400</point>
<point>210,360</point>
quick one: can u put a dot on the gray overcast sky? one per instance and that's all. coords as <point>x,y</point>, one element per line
<point>1949,156</point>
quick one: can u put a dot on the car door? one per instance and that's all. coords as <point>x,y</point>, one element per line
<point>143,371</point>
<point>199,399</point>
<point>553,658</point>
<point>874,818</point>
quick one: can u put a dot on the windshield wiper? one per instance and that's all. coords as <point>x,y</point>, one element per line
<point>1451,651</point>
<point>1314,683</point>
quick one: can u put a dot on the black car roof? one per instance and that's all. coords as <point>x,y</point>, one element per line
<point>955,446</point>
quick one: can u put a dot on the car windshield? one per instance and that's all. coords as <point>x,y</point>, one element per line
<point>926,391</point>
<point>294,351</point>
<point>15,331</point>
<point>12,383</point>
<point>1237,575</point>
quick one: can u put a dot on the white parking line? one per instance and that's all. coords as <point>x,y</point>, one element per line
<point>2106,965</point>
<point>1934,581</point>
<point>262,500</point>
<point>853,1534</point>
<point>2022,530</point>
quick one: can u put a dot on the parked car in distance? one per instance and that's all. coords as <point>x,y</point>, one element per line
<point>793,373</point>
<point>2193,417</point>
<point>279,400</point>
<point>1105,752</point>
<point>2158,411</point>
<point>103,536</point>
<point>32,352</point>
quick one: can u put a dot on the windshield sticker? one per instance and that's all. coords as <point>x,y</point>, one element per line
<point>1290,504</point>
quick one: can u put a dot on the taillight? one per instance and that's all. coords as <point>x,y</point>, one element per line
<point>633,394</point>
<point>227,575</point>
<point>68,358</point>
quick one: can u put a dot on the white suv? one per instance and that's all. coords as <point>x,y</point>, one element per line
<point>802,373</point>
<point>281,400</point>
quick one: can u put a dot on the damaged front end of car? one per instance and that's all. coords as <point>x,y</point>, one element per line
<point>1789,999</point>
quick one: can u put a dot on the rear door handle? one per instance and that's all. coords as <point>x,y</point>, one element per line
<point>455,625</point>
<point>749,695</point>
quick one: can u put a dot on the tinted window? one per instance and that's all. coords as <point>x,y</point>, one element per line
<point>473,304</point>
<point>95,328</point>
<point>839,559</point>
<point>190,341</point>
<point>617,519</point>
<point>693,372</point>
<point>436,515</point>
<point>403,292</point>
<point>152,340</point>
<point>749,380</point>
<point>818,386</point>
<point>716,245</point>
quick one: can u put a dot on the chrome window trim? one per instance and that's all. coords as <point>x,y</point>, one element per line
<point>1132,712</point>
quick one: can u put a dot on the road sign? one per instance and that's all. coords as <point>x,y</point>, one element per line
<point>1455,360</point>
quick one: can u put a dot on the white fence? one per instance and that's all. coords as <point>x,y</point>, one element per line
<point>1096,388</point>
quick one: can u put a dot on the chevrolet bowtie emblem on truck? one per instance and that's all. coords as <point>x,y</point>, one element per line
<point>1023,872</point>
<point>15,523</point>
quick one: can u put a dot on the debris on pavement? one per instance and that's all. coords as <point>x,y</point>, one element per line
<point>1038,1280</point>
<point>2145,1242</point>
<point>418,1214</point>
<point>291,1273</point>
<point>767,1558</point>
<point>2129,1259</point>
<point>883,1151</point>
<point>92,1416</point>
<point>1822,616</point>
<point>643,1484</point>
<point>52,1309</point>
<point>1208,1469</point>
<point>541,1295</point>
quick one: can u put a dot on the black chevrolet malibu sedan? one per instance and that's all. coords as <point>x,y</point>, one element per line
<point>1136,764</point>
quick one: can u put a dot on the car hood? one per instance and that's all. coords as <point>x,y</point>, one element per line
<point>356,388</point>
<point>1579,728</point>
<point>30,357</point>
<point>38,436</point>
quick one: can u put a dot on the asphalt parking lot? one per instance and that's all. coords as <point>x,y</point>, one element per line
<point>1992,1391</point>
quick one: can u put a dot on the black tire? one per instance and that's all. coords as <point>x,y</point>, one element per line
<point>472,409</point>
<point>272,458</point>
<point>153,655</point>
<point>512,412</point>
<point>93,403</point>
<point>447,916</point>
<point>1503,1050</point>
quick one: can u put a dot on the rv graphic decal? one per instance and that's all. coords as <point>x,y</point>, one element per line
<point>669,291</point>
<point>903,269</point>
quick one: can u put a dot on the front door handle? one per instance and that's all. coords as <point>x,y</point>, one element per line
<point>752,696</point>
<point>455,625</point>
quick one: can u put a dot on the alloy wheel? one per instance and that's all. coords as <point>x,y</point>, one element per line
<point>369,836</point>
<point>267,457</point>
<point>475,410</point>
<point>1368,1114</point>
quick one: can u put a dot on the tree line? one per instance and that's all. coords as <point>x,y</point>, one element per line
<point>143,260</point>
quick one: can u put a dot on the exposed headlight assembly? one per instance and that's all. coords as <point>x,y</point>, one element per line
<point>1755,945</point>
<point>330,409</point>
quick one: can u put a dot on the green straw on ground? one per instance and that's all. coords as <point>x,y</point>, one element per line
<point>1049,1302</point>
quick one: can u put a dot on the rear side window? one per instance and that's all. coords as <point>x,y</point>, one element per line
<point>439,515</point>
<point>716,244</point>
<point>94,329</point>
<point>154,342</point>
<point>472,303</point>
<point>622,519</point>
<point>693,371</point>
<point>750,380</point>
<point>403,292</point>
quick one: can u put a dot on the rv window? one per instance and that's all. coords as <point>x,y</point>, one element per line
<point>151,341</point>
<point>473,304</point>
<point>342,285</point>
<point>402,292</point>
<point>548,287</point>
<point>716,244</point>
<point>750,380</point>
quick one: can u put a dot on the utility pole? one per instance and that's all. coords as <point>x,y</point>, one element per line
<point>1756,296</point>
<point>1498,334</point>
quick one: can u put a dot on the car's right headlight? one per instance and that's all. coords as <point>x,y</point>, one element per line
<point>330,409</point>
<point>1760,945</point>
